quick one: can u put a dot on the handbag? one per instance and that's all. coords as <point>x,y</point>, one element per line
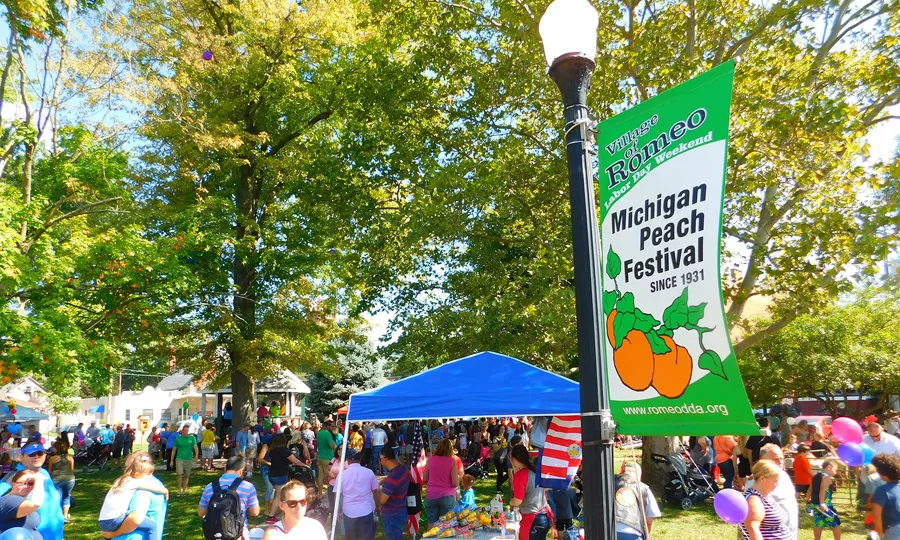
<point>413,497</point>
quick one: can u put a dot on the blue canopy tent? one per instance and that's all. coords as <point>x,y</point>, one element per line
<point>23,414</point>
<point>494,385</point>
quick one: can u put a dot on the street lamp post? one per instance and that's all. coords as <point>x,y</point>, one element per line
<point>569,32</point>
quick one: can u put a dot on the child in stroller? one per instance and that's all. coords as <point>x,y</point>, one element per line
<point>474,460</point>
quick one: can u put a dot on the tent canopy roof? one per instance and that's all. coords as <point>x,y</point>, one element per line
<point>23,414</point>
<point>486,384</point>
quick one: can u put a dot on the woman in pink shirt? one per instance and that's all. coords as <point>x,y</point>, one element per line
<point>441,477</point>
<point>333,471</point>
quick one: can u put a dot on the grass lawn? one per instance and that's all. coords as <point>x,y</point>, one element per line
<point>183,523</point>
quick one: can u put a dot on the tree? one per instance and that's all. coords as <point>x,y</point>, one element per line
<point>844,349</point>
<point>482,256</point>
<point>354,367</point>
<point>274,134</point>
<point>79,295</point>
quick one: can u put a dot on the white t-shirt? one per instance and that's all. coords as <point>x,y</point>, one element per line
<point>307,529</point>
<point>887,443</point>
<point>379,437</point>
<point>252,439</point>
<point>116,502</point>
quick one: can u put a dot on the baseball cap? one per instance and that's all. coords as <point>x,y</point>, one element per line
<point>351,454</point>
<point>33,448</point>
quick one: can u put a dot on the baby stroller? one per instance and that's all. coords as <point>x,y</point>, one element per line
<point>96,455</point>
<point>303,474</point>
<point>688,485</point>
<point>474,460</point>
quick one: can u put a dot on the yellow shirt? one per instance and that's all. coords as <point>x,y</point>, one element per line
<point>209,437</point>
<point>356,441</point>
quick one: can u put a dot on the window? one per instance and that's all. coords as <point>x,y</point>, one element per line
<point>148,413</point>
<point>127,415</point>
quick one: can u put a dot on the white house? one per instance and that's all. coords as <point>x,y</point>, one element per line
<point>27,392</point>
<point>163,403</point>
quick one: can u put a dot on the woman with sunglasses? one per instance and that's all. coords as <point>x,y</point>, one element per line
<point>17,509</point>
<point>294,524</point>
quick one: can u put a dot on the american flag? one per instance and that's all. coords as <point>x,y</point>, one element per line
<point>558,461</point>
<point>415,472</point>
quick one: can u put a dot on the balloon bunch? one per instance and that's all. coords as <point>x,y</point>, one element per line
<point>731,506</point>
<point>851,451</point>
<point>10,407</point>
<point>16,533</point>
<point>14,428</point>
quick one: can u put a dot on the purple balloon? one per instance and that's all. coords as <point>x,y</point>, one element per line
<point>851,453</point>
<point>731,506</point>
<point>207,55</point>
<point>847,430</point>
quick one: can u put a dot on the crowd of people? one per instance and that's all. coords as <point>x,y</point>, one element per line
<point>756,465</point>
<point>388,464</point>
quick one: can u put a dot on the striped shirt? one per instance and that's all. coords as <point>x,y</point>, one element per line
<point>774,524</point>
<point>395,485</point>
<point>246,491</point>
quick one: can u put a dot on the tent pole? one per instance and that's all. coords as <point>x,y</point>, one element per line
<point>337,491</point>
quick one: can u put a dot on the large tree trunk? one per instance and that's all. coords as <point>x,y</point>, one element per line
<point>245,275</point>
<point>652,474</point>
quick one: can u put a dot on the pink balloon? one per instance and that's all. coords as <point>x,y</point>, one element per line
<point>43,440</point>
<point>847,430</point>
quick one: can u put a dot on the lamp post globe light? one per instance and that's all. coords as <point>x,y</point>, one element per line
<point>569,32</point>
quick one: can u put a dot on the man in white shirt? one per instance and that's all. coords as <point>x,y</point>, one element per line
<point>359,491</point>
<point>784,493</point>
<point>379,438</point>
<point>879,440</point>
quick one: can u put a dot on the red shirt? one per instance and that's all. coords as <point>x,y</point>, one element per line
<point>459,465</point>
<point>802,471</point>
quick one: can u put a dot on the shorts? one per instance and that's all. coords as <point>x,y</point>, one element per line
<point>183,466</point>
<point>801,488</point>
<point>278,480</point>
<point>250,452</point>
<point>210,451</point>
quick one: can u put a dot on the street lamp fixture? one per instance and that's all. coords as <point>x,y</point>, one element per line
<point>569,32</point>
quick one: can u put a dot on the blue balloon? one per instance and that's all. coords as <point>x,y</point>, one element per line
<point>868,454</point>
<point>851,454</point>
<point>14,428</point>
<point>16,533</point>
<point>6,409</point>
<point>196,417</point>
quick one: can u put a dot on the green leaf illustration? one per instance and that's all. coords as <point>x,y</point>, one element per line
<point>626,303</point>
<point>622,324</point>
<point>711,362</point>
<point>644,321</point>
<point>695,313</point>
<point>613,264</point>
<point>657,344</point>
<point>664,331</point>
<point>676,315</point>
<point>609,301</point>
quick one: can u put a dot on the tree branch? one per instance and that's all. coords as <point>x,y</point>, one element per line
<point>86,209</point>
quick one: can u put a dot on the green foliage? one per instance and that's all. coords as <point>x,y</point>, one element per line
<point>842,349</point>
<point>352,367</point>
<point>479,255</point>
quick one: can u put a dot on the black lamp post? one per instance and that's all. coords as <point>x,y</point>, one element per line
<point>569,32</point>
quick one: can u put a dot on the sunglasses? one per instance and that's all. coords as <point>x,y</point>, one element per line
<point>294,504</point>
<point>29,483</point>
<point>37,454</point>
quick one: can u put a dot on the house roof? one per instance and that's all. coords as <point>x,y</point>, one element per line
<point>285,381</point>
<point>176,381</point>
<point>6,388</point>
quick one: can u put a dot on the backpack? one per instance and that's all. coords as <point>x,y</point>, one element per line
<point>413,497</point>
<point>224,519</point>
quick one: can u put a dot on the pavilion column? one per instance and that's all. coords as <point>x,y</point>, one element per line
<point>203,405</point>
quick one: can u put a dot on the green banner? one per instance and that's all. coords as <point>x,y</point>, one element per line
<point>671,368</point>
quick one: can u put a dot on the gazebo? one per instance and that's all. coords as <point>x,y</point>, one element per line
<point>284,382</point>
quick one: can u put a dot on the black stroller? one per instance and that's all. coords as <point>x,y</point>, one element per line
<point>688,485</point>
<point>96,455</point>
<point>473,462</point>
<point>303,474</point>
